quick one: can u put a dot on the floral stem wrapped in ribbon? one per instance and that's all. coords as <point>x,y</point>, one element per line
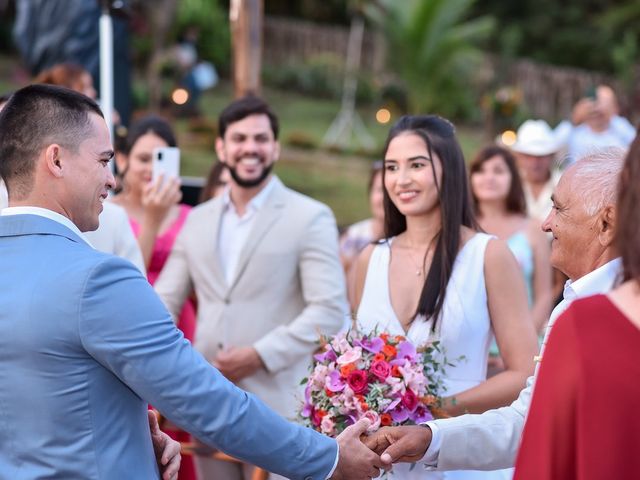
<point>379,376</point>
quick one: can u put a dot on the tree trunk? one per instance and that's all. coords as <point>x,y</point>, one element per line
<point>246,18</point>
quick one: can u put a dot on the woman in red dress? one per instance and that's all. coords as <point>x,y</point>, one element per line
<point>584,421</point>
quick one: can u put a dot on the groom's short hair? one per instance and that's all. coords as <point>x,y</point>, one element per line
<point>34,117</point>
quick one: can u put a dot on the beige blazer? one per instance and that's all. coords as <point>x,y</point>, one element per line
<point>289,288</point>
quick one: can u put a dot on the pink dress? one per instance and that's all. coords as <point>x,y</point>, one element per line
<point>161,250</point>
<point>187,322</point>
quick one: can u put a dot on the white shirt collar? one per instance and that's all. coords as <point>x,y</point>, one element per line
<point>255,203</point>
<point>598,281</point>
<point>44,212</point>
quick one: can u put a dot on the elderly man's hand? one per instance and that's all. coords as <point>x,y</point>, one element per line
<point>166,449</point>
<point>400,444</point>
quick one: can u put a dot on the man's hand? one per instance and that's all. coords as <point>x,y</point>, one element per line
<point>400,444</point>
<point>355,460</point>
<point>166,449</point>
<point>236,363</point>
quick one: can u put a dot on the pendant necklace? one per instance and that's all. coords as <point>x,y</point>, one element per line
<point>419,269</point>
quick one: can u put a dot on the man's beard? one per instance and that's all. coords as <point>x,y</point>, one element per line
<point>249,183</point>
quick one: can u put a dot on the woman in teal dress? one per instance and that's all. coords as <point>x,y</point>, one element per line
<point>499,202</point>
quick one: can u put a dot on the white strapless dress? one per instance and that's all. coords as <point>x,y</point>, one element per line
<point>463,330</point>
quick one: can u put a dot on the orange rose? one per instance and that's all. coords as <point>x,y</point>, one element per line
<point>379,357</point>
<point>390,351</point>
<point>399,338</point>
<point>385,420</point>
<point>385,337</point>
<point>346,370</point>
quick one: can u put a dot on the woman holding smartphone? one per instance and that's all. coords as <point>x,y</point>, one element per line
<point>155,214</point>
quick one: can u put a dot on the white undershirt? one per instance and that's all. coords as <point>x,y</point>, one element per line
<point>235,229</point>
<point>45,212</point>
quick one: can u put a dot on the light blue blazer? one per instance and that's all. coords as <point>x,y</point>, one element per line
<point>85,344</point>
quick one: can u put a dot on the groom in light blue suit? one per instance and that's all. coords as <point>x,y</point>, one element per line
<point>84,341</point>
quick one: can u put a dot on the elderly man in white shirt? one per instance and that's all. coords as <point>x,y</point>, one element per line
<point>582,222</point>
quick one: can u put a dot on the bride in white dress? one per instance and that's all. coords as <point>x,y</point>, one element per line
<point>436,277</point>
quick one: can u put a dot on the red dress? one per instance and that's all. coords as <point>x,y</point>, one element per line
<point>584,420</point>
<point>187,322</point>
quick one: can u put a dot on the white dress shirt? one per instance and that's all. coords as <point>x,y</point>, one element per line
<point>44,212</point>
<point>235,229</point>
<point>601,280</point>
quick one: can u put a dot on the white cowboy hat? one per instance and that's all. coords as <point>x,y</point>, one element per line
<point>535,137</point>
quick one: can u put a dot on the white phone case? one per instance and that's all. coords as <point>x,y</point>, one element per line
<point>166,160</point>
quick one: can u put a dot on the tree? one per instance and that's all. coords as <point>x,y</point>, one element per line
<point>433,48</point>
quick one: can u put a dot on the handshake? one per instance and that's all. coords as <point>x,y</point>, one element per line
<point>365,455</point>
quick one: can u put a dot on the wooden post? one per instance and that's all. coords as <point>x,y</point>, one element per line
<point>246,18</point>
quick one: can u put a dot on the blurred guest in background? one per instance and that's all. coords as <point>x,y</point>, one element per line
<point>216,181</point>
<point>361,234</point>
<point>71,76</point>
<point>595,123</point>
<point>499,204</point>
<point>264,263</point>
<point>535,149</point>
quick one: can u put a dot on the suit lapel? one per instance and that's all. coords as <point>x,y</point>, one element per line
<point>265,219</point>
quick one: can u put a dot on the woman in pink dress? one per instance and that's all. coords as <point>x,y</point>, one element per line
<point>156,217</point>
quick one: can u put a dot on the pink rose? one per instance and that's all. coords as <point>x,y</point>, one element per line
<point>358,381</point>
<point>352,355</point>
<point>380,369</point>
<point>327,426</point>
<point>410,400</point>
<point>375,420</point>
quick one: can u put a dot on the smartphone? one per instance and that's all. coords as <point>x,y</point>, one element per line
<point>166,160</point>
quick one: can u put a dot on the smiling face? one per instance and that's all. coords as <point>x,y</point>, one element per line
<point>88,177</point>
<point>408,177</point>
<point>575,232</point>
<point>249,149</point>
<point>137,166</point>
<point>492,180</point>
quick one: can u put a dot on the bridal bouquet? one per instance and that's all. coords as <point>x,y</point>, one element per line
<point>379,376</point>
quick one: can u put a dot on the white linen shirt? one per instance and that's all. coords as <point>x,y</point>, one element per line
<point>235,229</point>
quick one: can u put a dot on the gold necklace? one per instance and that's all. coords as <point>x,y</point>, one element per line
<point>419,268</point>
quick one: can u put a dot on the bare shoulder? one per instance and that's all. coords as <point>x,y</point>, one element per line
<point>497,255</point>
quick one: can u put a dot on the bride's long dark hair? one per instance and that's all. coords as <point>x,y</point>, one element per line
<point>455,205</point>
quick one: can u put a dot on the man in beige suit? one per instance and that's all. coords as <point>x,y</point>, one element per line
<point>263,261</point>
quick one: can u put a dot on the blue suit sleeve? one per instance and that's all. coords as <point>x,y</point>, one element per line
<point>125,327</point>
